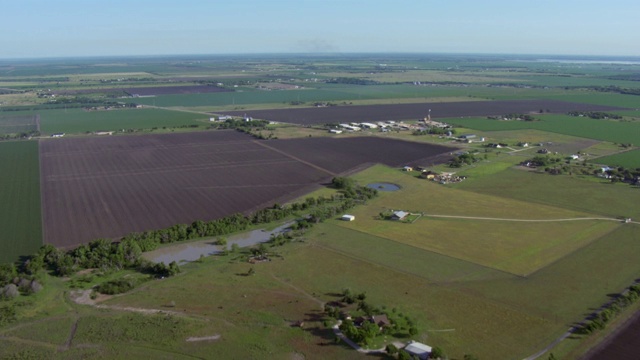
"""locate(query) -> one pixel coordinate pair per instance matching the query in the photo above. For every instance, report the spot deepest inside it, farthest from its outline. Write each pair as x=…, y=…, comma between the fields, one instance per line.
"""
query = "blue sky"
x=59, y=28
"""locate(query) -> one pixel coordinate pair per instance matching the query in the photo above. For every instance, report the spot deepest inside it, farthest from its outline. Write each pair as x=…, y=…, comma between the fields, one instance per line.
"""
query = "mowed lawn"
x=512, y=246
x=74, y=121
x=20, y=218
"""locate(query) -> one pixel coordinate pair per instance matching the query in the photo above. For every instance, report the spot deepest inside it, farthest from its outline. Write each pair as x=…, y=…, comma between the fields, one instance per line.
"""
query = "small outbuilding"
x=420, y=350
x=407, y=168
x=399, y=215
x=347, y=217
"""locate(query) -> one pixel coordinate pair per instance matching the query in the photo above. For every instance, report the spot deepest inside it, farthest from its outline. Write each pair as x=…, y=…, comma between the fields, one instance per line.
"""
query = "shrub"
x=116, y=286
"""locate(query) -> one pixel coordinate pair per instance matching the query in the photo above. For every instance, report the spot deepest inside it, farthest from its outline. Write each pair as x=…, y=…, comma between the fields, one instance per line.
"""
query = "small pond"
x=381, y=186
x=187, y=252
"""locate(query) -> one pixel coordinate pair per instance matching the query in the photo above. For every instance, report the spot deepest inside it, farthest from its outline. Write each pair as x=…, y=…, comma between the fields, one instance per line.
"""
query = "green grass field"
x=74, y=121
x=614, y=131
x=566, y=192
x=627, y=159
x=20, y=218
x=510, y=246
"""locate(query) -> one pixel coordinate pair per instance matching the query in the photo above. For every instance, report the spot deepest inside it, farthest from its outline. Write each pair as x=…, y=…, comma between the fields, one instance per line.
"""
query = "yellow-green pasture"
x=497, y=237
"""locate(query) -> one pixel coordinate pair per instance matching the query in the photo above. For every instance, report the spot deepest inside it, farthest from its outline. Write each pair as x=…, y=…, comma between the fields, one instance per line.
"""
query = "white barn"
x=420, y=350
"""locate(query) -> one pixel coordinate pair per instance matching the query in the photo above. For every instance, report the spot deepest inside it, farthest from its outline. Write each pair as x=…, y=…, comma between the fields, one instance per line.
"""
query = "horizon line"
x=342, y=53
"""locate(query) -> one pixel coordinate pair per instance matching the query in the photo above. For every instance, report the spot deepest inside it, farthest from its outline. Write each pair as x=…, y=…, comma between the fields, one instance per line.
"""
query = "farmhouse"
x=420, y=350
x=347, y=217
x=399, y=215
x=381, y=320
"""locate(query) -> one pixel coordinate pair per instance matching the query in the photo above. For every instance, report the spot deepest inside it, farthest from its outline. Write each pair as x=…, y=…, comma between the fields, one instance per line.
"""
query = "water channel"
x=191, y=251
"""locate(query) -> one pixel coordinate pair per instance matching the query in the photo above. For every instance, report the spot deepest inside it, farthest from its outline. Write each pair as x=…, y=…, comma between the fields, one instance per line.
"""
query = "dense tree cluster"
x=241, y=124
x=13, y=283
x=519, y=117
x=544, y=160
x=20, y=135
x=434, y=130
x=351, y=81
x=621, y=174
x=366, y=331
x=617, y=89
x=463, y=159
x=595, y=114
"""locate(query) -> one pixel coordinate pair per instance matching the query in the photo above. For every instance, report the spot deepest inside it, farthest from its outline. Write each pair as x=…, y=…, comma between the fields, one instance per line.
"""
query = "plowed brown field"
x=108, y=187
x=373, y=113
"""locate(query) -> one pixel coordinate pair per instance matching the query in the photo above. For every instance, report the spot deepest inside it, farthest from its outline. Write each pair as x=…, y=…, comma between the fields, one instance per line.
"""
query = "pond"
x=381, y=186
x=187, y=252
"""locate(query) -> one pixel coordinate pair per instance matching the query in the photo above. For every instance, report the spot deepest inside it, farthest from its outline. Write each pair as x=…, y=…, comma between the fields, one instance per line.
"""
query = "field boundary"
x=530, y=220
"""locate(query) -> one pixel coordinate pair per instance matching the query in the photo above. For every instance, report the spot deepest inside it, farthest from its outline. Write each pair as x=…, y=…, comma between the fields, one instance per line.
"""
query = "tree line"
x=610, y=311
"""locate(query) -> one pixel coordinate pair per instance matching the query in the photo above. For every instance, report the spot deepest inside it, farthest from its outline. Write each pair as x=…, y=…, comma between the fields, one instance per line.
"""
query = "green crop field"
x=600, y=98
x=327, y=92
x=608, y=130
x=80, y=121
x=20, y=218
x=627, y=159
x=339, y=92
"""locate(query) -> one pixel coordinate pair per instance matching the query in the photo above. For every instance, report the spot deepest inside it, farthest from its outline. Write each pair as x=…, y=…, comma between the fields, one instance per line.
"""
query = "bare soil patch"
x=623, y=344
x=108, y=187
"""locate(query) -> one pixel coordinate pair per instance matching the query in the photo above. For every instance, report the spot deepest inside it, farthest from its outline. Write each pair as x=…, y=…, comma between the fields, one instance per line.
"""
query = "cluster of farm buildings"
x=415, y=349
x=442, y=178
x=381, y=126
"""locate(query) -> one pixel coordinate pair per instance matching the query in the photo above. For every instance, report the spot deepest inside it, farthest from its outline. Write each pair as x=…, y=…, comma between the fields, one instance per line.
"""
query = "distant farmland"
x=148, y=90
x=338, y=114
x=173, y=90
x=108, y=187
x=13, y=124
x=80, y=120
x=607, y=130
